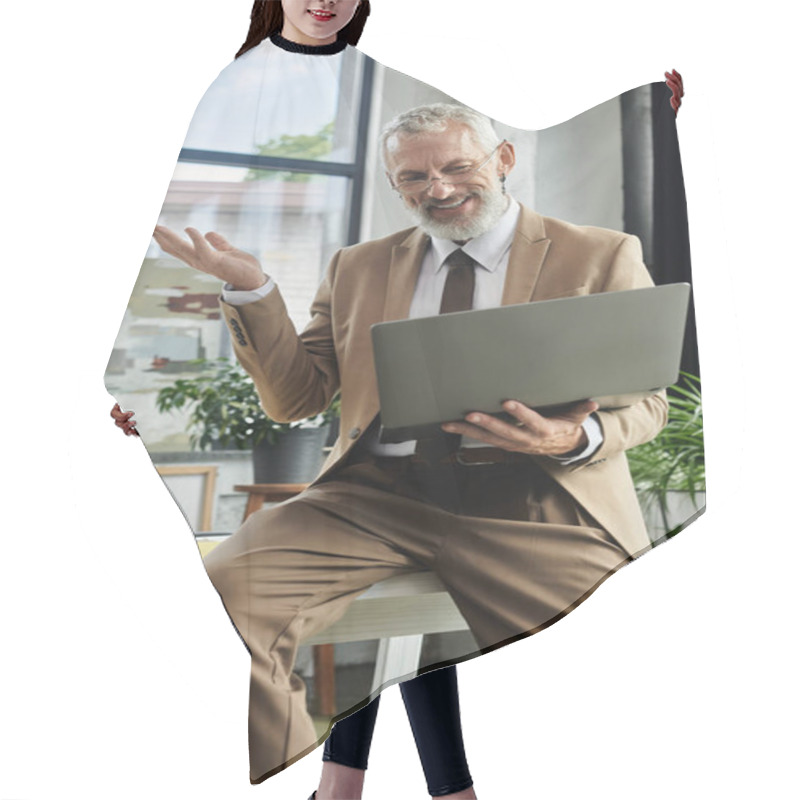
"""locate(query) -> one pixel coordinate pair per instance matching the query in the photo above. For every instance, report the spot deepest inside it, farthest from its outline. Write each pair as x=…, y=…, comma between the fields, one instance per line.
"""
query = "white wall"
x=572, y=170
x=579, y=168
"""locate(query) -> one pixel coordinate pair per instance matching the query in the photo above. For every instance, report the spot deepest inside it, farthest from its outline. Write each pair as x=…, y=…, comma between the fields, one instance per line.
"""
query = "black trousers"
x=431, y=702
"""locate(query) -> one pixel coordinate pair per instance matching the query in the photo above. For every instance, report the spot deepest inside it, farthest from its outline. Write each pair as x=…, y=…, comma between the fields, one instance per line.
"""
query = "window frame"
x=354, y=170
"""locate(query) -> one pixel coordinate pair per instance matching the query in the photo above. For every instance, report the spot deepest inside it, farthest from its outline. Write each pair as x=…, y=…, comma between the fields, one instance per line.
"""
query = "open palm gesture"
x=213, y=254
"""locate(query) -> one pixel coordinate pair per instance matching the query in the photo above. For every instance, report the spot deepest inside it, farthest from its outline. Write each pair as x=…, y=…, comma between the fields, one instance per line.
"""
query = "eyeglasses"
x=453, y=176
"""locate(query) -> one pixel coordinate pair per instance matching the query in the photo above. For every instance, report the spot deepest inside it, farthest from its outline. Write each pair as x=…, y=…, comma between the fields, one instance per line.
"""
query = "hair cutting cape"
x=281, y=158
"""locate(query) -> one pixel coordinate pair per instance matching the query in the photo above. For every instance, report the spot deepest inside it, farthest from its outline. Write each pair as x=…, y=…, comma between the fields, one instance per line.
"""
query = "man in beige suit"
x=520, y=521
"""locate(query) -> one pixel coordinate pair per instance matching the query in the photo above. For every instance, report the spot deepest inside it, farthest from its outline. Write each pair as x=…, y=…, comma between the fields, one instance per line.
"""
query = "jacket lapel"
x=404, y=267
x=528, y=252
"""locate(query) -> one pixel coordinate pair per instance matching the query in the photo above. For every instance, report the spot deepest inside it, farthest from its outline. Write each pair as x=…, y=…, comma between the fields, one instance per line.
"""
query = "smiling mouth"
x=447, y=206
x=323, y=16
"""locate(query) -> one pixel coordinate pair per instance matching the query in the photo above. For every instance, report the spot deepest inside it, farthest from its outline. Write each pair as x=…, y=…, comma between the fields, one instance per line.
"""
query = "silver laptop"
x=614, y=347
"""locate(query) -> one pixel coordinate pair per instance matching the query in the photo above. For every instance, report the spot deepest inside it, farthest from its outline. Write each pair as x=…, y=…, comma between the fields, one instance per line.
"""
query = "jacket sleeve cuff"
x=594, y=435
x=236, y=297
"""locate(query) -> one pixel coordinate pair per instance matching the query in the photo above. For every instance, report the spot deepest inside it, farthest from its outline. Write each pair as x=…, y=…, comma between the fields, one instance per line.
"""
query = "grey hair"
x=435, y=118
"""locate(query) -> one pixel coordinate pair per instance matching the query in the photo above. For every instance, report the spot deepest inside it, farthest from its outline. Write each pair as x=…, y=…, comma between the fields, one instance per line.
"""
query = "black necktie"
x=460, y=284
x=459, y=289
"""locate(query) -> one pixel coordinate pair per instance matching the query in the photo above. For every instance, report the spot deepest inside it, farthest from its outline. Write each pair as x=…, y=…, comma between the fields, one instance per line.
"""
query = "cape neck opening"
x=308, y=49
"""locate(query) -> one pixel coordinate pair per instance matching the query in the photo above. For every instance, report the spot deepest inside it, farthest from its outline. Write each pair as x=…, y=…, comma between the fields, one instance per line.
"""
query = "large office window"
x=280, y=180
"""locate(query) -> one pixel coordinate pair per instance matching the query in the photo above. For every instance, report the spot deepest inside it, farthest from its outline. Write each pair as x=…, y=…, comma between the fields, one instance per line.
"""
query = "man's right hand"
x=213, y=254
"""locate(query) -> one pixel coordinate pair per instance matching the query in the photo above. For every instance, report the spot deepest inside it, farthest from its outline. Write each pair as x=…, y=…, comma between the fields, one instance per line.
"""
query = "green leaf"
x=224, y=407
x=674, y=460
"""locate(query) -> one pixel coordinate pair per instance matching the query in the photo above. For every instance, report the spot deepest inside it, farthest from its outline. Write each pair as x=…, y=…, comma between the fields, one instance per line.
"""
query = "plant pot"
x=680, y=509
x=296, y=456
x=333, y=432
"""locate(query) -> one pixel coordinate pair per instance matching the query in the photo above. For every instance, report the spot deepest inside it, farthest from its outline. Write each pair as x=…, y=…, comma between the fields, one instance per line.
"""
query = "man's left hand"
x=533, y=433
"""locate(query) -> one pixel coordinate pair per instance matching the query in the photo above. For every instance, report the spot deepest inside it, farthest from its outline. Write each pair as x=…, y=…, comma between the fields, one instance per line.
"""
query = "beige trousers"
x=292, y=570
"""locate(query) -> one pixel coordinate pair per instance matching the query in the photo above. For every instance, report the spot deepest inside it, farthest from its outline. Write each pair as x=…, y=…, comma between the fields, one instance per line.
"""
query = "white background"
x=121, y=677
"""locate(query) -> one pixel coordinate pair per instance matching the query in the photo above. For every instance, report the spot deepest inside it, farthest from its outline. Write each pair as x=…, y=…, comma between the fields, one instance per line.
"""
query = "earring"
x=503, y=182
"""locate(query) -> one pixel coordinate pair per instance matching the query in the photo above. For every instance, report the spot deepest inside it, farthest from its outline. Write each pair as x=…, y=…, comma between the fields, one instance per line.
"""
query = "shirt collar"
x=487, y=249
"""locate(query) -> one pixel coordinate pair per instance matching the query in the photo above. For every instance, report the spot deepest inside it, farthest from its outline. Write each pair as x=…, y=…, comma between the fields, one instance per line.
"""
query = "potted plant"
x=225, y=411
x=669, y=471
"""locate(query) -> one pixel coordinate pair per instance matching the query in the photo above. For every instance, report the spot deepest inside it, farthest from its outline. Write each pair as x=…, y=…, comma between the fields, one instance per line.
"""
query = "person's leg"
x=289, y=572
x=434, y=714
x=351, y=737
x=511, y=578
x=431, y=702
x=346, y=754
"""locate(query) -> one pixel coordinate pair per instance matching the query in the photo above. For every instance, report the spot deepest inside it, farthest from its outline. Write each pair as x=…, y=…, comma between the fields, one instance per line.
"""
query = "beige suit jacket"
x=298, y=375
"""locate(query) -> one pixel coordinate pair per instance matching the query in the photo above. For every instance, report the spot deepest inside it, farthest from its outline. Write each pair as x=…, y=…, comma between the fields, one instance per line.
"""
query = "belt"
x=465, y=457
x=475, y=456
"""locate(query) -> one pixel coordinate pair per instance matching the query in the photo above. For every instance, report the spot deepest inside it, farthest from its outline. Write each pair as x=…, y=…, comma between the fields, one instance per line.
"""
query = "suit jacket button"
x=355, y=433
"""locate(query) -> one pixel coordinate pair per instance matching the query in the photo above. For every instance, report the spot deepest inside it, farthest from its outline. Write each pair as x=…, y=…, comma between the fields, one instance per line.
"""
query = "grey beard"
x=493, y=206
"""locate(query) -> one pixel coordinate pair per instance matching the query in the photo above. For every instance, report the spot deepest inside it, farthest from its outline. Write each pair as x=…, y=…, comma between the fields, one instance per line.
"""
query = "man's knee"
x=219, y=564
x=255, y=560
x=229, y=563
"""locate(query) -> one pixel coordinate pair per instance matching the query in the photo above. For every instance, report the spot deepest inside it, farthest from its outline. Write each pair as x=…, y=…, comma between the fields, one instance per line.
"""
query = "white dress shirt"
x=490, y=252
